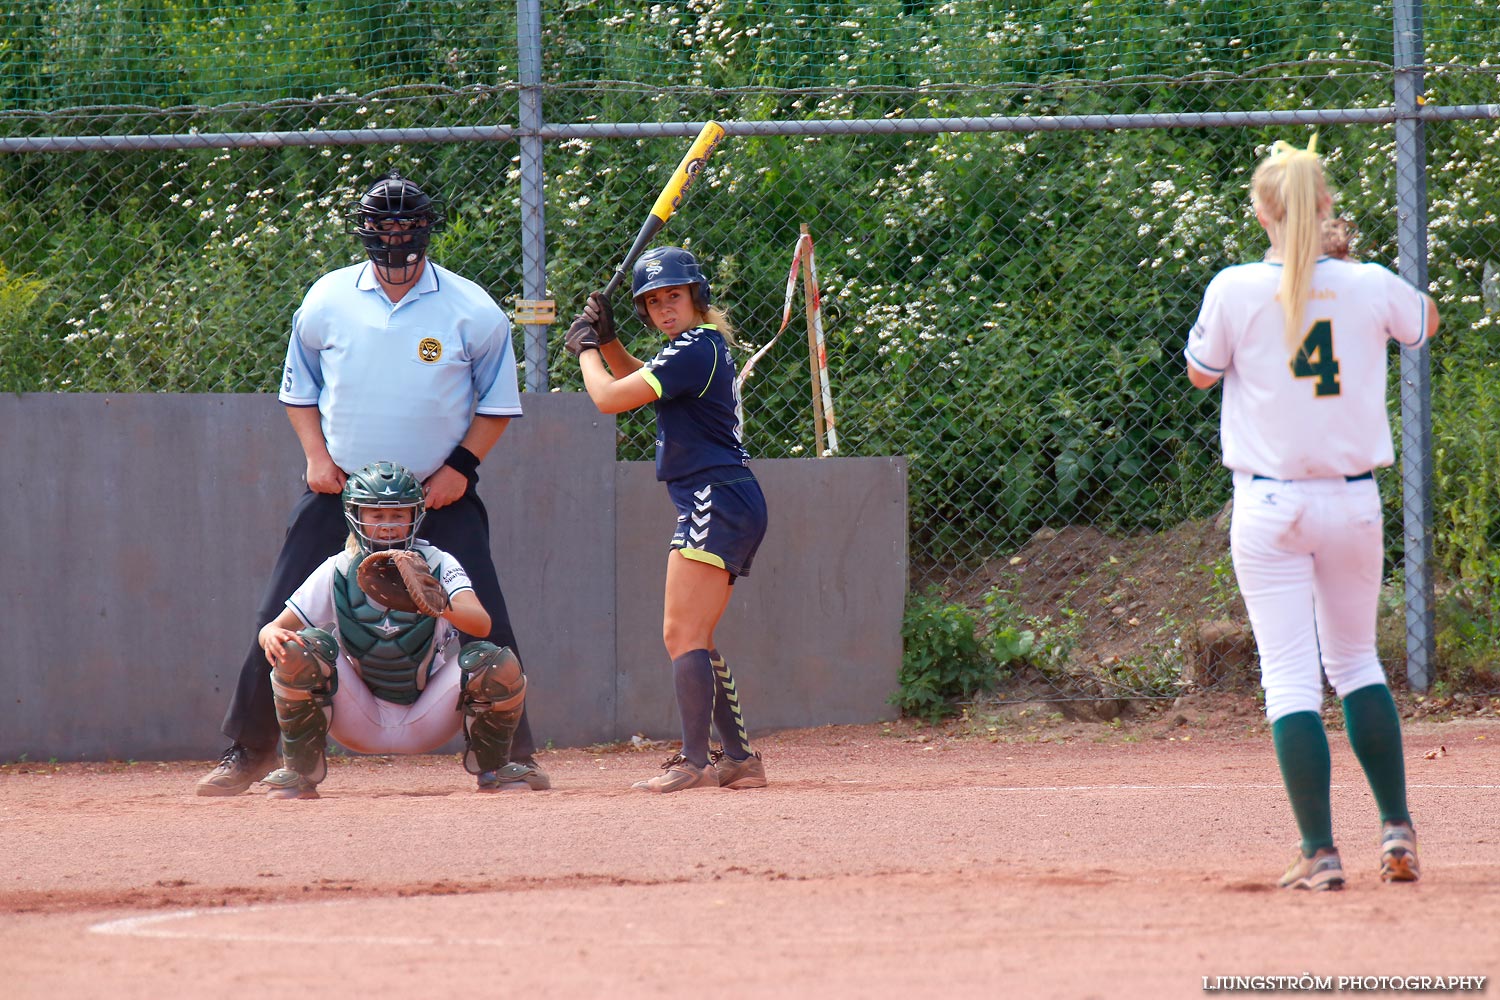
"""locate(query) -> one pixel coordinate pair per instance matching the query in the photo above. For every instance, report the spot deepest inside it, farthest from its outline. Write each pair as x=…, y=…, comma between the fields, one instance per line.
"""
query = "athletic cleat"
x=747, y=773
x=680, y=774
x=1323, y=872
x=517, y=776
x=288, y=784
x=237, y=770
x=1398, y=853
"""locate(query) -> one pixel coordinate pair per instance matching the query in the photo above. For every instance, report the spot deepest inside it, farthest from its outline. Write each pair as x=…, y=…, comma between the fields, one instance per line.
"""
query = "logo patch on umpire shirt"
x=430, y=349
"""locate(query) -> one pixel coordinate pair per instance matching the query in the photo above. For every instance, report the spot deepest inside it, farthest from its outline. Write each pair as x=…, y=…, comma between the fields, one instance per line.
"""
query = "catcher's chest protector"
x=392, y=649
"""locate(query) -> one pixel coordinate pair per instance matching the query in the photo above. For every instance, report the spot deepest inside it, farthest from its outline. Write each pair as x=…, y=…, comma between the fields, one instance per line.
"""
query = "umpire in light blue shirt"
x=396, y=359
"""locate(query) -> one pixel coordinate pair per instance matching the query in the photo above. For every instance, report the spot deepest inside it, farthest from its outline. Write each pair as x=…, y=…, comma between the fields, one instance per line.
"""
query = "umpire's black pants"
x=317, y=530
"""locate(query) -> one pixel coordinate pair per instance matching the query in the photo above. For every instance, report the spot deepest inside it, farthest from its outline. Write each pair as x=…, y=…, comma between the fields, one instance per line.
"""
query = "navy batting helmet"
x=395, y=205
x=667, y=267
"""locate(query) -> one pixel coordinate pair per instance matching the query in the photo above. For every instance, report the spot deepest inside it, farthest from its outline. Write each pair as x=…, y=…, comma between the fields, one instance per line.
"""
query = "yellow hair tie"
x=1283, y=148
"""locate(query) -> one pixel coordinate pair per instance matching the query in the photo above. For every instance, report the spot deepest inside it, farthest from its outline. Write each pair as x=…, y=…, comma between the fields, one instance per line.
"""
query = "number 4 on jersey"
x=1315, y=359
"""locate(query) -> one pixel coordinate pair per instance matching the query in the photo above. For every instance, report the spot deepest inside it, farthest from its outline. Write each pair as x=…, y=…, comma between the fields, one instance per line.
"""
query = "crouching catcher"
x=381, y=679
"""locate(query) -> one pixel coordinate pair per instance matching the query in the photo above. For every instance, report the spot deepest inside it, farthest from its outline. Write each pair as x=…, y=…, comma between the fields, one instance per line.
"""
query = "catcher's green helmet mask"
x=383, y=484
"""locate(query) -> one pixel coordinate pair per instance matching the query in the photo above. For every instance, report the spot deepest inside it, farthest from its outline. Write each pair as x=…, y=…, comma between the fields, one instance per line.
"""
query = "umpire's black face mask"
x=396, y=246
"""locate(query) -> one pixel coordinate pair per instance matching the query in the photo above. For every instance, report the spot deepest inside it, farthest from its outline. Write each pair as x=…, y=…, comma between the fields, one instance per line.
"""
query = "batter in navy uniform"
x=721, y=513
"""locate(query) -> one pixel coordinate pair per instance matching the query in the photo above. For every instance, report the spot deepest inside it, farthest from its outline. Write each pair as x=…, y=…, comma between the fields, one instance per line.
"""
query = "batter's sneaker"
x=747, y=773
x=1398, y=853
x=288, y=784
x=238, y=769
x=679, y=774
x=1323, y=872
x=517, y=776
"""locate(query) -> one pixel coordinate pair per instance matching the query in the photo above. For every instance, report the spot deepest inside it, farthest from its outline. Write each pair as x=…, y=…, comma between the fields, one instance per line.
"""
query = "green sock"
x=1302, y=751
x=1375, y=734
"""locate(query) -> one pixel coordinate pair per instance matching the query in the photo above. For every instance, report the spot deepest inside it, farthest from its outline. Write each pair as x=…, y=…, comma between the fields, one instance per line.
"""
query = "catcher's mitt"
x=1338, y=234
x=401, y=580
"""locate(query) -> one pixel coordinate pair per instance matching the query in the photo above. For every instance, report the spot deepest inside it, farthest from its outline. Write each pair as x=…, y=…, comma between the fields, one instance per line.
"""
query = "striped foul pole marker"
x=825, y=436
x=817, y=350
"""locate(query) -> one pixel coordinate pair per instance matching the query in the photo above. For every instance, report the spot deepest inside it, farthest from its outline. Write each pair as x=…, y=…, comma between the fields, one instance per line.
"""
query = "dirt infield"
x=883, y=861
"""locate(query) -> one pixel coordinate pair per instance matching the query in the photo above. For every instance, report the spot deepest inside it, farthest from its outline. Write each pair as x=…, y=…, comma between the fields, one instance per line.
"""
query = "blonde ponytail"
x=719, y=318
x=1291, y=193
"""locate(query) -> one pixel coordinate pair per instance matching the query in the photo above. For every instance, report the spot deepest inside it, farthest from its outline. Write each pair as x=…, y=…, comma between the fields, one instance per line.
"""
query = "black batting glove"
x=601, y=314
x=582, y=336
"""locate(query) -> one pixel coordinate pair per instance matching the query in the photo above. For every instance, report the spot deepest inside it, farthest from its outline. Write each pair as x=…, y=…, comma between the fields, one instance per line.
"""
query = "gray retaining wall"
x=141, y=529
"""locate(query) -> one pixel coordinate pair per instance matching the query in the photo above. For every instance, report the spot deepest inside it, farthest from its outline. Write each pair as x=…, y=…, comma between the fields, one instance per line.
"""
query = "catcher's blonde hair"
x=1290, y=194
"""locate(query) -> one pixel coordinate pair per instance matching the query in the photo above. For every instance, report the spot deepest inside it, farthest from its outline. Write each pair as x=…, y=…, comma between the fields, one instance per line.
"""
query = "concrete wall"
x=140, y=530
x=813, y=634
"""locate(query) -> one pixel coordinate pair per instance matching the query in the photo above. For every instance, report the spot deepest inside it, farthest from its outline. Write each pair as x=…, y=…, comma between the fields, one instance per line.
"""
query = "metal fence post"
x=533, y=192
x=1416, y=373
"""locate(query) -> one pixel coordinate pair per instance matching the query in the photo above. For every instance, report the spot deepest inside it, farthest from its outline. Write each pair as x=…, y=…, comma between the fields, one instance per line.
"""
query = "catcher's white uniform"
x=1302, y=435
x=368, y=724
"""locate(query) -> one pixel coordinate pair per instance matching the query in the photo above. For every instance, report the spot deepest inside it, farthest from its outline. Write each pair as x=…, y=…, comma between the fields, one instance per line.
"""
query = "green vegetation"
x=953, y=653
x=945, y=661
x=942, y=659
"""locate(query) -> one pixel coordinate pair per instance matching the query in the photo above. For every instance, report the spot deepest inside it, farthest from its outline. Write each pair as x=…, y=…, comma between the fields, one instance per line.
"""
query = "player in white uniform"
x=1300, y=341
x=380, y=680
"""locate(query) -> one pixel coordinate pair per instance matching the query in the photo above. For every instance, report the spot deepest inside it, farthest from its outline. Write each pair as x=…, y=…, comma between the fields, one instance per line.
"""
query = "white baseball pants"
x=1308, y=556
x=366, y=724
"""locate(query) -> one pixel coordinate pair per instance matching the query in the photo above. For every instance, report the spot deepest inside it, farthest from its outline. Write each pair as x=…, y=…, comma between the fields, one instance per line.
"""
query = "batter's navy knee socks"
x=693, y=676
x=728, y=719
x=1302, y=753
x=1374, y=728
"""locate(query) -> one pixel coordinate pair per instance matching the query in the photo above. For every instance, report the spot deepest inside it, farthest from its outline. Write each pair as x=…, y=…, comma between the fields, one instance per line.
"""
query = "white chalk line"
x=149, y=927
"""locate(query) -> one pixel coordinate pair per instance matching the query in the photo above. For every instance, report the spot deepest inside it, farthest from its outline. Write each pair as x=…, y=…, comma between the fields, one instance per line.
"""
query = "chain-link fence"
x=1016, y=208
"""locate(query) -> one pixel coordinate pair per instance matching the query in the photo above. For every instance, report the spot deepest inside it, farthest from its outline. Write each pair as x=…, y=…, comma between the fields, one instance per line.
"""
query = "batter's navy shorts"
x=721, y=517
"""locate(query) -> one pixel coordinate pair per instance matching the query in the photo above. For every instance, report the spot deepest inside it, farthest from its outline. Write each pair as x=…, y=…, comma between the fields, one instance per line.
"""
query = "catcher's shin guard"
x=304, y=685
x=491, y=698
